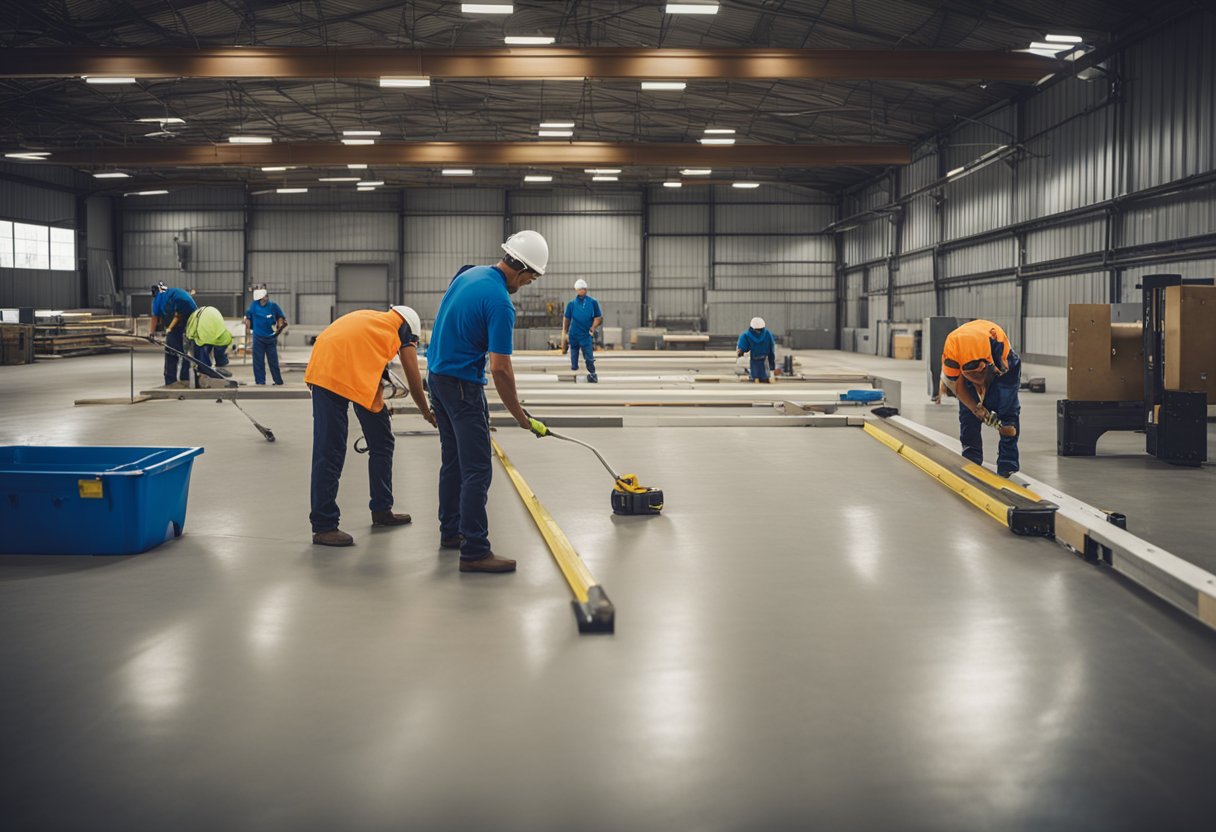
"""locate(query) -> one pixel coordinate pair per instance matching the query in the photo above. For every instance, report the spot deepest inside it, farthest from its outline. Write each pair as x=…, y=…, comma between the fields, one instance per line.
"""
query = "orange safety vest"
x=350, y=355
x=973, y=341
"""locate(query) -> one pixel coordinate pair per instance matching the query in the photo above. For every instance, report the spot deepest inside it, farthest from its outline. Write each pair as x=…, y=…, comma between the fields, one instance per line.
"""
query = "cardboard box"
x=903, y=346
x=1190, y=339
x=1105, y=360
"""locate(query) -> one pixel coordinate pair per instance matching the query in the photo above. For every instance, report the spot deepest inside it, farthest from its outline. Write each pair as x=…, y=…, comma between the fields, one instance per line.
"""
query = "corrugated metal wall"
x=21, y=201
x=102, y=264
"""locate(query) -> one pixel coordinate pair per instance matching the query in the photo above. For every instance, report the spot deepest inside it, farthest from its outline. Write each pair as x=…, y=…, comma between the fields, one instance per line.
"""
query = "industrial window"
x=6, y=244
x=31, y=246
x=63, y=249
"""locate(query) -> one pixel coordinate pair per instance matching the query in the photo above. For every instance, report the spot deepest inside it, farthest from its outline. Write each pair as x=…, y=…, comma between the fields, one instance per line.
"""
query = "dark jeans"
x=203, y=354
x=759, y=369
x=266, y=350
x=329, y=422
x=1002, y=399
x=464, y=473
x=176, y=338
x=585, y=346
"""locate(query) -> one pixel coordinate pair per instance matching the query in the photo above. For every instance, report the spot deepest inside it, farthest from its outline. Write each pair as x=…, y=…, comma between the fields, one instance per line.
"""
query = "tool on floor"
x=628, y=495
x=209, y=372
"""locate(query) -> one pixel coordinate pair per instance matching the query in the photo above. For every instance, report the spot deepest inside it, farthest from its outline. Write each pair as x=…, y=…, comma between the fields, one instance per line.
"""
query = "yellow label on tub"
x=90, y=489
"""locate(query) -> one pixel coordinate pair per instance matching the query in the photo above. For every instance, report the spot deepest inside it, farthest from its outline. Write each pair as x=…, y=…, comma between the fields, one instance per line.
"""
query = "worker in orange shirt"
x=346, y=367
x=980, y=369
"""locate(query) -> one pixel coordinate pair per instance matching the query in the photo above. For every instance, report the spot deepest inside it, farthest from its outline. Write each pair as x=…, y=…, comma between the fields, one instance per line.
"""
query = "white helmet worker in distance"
x=411, y=318
x=258, y=294
x=580, y=285
x=757, y=323
x=758, y=341
x=530, y=249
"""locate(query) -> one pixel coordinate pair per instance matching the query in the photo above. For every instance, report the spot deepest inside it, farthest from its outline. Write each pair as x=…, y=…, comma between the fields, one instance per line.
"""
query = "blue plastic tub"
x=91, y=500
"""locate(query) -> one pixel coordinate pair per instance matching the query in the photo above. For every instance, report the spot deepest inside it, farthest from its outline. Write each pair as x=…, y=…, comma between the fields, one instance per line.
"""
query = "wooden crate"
x=16, y=344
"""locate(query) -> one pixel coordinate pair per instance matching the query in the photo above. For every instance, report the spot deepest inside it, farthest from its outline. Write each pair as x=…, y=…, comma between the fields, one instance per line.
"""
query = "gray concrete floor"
x=812, y=635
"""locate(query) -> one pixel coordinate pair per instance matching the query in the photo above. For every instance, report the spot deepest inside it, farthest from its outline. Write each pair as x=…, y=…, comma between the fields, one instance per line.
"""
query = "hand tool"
x=628, y=495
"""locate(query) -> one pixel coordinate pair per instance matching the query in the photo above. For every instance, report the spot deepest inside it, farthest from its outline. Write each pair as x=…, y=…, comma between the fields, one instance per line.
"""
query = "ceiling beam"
x=543, y=63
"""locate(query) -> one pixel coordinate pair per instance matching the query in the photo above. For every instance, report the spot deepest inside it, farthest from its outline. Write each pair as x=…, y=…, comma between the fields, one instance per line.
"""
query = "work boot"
x=387, y=518
x=453, y=542
x=333, y=537
x=490, y=563
x=592, y=380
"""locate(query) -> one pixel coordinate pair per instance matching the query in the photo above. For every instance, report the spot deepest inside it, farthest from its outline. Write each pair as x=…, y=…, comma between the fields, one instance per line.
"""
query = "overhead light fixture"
x=603, y=179
x=536, y=177
x=107, y=79
x=555, y=134
x=374, y=183
x=457, y=171
x=663, y=85
x=357, y=167
x=146, y=193
x=692, y=8
x=980, y=162
x=745, y=185
x=696, y=171
x=673, y=184
x=365, y=188
x=360, y=132
x=165, y=120
x=338, y=179
x=556, y=125
x=1053, y=48
x=405, y=81
x=719, y=131
x=291, y=190
x=112, y=174
x=487, y=8
x=1044, y=79
x=716, y=141
x=358, y=141
x=250, y=139
x=275, y=169
x=1063, y=39
x=528, y=40
x=603, y=171
x=28, y=155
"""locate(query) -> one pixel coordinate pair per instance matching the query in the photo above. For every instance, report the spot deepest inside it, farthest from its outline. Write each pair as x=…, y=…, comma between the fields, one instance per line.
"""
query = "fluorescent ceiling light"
x=528, y=40
x=357, y=167
x=1040, y=46
x=145, y=193
x=673, y=184
x=745, y=184
x=537, y=178
x=275, y=169
x=250, y=139
x=716, y=141
x=405, y=81
x=555, y=134
x=1044, y=79
x=28, y=155
x=692, y=8
x=358, y=141
x=556, y=125
x=607, y=171
x=457, y=171
x=487, y=8
x=719, y=131
x=107, y=79
x=164, y=120
x=1063, y=39
x=360, y=132
x=1042, y=53
x=365, y=188
x=696, y=171
x=953, y=173
x=338, y=179
x=291, y=190
x=663, y=85
x=603, y=179
x=375, y=183
x=112, y=174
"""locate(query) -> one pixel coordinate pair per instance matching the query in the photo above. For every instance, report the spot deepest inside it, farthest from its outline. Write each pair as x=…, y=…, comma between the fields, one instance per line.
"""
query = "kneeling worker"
x=345, y=368
x=205, y=328
x=758, y=341
x=980, y=368
x=583, y=316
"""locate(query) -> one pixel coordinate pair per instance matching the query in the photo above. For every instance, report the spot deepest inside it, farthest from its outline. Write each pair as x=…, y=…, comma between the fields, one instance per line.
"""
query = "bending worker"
x=583, y=317
x=205, y=328
x=758, y=341
x=345, y=368
x=980, y=368
x=476, y=318
x=172, y=307
x=265, y=320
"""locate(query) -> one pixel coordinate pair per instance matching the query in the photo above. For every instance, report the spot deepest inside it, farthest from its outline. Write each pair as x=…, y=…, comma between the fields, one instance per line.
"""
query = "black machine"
x=1174, y=422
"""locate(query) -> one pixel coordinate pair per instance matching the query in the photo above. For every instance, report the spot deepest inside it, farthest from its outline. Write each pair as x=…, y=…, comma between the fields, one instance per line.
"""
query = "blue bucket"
x=91, y=500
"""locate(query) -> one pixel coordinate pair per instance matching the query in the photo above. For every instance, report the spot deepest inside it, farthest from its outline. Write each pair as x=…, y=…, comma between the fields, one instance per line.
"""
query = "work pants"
x=586, y=346
x=1002, y=399
x=176, y=338
x=266, y=349
x=759, y=369
x=203, y=354
x=462, y=416
x=329, y=426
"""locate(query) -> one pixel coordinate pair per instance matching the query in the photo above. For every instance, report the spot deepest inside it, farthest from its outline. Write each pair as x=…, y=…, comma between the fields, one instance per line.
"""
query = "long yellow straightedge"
x=572, y=566
x=996, y=510
x=998, y=482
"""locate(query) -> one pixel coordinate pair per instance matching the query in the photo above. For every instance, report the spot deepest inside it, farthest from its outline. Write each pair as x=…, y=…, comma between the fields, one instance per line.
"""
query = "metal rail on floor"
x=592, y=609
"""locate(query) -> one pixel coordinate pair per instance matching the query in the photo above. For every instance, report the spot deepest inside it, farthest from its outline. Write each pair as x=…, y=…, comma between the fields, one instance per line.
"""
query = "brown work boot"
x=490, y=563
x=333, y=537
x=387, y=518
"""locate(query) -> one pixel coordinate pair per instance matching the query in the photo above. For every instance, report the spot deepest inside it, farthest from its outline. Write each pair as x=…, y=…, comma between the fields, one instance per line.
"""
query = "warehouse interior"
x=810, y=610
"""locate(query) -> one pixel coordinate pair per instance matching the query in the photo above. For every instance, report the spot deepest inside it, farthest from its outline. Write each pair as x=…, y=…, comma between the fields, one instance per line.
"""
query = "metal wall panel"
x=217, y=256
x=437, y=246
x=99, y=252
x=574, y=202
x=741, y=218
x=1047, y=302
x=913, y=307
x=870, y=240
x=982, y=200
x=853, y=282
x=913, y=270
x=679, y=273
x=42, y=288
x=978, y=259
x=1186, y=268
x=1070, y=160
x=679, y=218
x=999, y=302
x=730, y=312
x=454, y=201
x=1084, y=237
x=1176, y=217
x=877, y=277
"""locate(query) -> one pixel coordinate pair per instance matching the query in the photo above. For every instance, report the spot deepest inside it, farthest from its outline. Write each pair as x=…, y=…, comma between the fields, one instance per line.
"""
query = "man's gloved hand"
x=537, y=427
x=738, y=353
x=992, y=420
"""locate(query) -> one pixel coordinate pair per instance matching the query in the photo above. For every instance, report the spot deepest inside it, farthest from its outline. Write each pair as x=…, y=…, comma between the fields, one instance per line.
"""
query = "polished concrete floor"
x=812, y=635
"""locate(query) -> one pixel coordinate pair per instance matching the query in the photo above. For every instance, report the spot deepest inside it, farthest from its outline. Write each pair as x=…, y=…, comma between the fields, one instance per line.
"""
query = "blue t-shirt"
x=264, y=317
x=581, y=312
x=476, y=316
x=172, y=302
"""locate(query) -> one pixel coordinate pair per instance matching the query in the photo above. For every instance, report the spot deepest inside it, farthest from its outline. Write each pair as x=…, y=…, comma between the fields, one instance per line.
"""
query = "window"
x=63, y=249
x=6, y=244
x=31, y=246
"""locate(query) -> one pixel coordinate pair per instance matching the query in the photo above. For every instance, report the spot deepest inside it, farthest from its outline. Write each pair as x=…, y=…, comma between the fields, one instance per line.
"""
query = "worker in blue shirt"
x=583, y=317
x=758, y=341
x=476, y=318
x=265, y=320
x=172, y=306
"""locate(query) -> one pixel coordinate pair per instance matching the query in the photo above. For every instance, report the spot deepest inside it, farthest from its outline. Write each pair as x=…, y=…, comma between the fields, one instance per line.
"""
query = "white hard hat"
x=529, y=248
x=757, y=323
x=258, y=294
x=411, y=318
x=580, y=284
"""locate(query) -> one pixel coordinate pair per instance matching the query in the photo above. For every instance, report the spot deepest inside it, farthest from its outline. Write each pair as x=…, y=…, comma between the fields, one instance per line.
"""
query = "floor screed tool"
x=628, y=496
